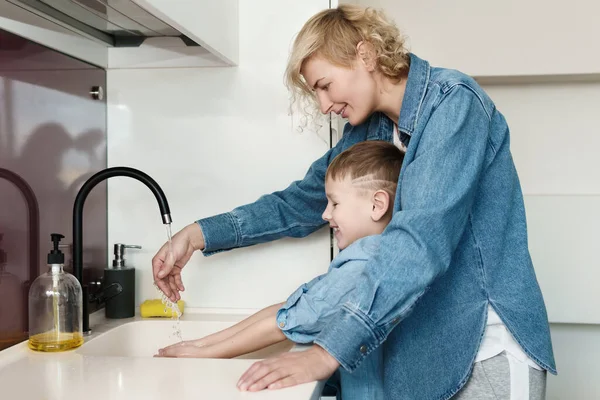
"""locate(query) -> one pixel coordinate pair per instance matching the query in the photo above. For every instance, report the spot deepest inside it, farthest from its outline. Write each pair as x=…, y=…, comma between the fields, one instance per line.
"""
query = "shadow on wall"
x=53, y=136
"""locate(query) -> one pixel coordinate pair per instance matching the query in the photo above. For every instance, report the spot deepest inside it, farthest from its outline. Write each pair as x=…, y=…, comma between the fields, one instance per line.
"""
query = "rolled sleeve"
x=288, y=323
x=221, y=232
x=298, y=318
x=349, y=338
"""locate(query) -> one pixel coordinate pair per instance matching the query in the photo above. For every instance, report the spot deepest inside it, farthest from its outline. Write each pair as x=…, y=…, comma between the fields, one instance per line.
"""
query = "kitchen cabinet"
x=510, y=41
x=131, y=33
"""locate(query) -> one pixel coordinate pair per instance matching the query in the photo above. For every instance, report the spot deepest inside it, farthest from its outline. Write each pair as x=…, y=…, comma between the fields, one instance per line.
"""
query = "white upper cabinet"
x=130, y=33
x=510, y=38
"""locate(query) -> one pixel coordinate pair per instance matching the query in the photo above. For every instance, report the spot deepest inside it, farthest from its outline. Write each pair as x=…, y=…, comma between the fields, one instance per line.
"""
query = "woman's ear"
x=365, y=53
x=381, y=203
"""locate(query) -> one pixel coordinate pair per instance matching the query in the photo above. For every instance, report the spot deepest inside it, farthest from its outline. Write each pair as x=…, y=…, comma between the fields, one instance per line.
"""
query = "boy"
x=360, y=184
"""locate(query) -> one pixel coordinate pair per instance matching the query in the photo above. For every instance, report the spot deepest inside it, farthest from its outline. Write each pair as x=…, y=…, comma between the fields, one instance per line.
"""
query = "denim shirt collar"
x=361, y=249
x=381, y=127
x=416, y=85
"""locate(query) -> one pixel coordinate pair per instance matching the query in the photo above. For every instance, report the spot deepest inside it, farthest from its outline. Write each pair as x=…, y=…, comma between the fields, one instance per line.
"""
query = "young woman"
x=452, y=295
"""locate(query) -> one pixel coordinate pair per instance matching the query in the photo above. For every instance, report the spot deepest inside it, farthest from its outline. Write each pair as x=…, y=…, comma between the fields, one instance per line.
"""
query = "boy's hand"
x=182, y=350
x=289, y=369
x=196, y=342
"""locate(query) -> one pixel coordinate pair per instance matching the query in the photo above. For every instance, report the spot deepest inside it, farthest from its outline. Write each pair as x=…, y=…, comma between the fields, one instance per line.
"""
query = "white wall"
x=215, y=138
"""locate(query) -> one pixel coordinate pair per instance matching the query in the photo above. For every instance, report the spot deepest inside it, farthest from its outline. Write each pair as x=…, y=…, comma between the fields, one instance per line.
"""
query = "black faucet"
x=34, y=230
x=78, y=220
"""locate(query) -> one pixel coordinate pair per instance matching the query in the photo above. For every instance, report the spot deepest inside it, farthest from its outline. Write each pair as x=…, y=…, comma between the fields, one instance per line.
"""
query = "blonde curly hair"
x=334, y=34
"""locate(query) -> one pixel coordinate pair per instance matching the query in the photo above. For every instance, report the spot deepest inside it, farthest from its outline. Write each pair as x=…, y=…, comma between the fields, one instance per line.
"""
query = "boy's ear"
x=381, y=203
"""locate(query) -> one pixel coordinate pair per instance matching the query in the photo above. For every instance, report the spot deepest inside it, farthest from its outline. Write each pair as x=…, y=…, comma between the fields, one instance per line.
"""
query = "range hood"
x=118, y=23
x=130, y=33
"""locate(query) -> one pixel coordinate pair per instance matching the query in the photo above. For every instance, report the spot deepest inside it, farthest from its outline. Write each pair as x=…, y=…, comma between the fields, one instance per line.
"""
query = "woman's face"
x=349, y=92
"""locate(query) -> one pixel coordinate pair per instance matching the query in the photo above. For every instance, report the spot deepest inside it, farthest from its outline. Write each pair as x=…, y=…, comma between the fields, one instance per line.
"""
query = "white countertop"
x=76, y=374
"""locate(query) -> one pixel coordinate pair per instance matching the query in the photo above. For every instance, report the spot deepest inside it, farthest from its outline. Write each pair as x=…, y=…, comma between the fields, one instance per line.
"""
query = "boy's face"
x=349, y=211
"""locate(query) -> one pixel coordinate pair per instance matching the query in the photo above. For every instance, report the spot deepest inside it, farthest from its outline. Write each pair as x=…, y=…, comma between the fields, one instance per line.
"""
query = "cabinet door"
x=503, y=38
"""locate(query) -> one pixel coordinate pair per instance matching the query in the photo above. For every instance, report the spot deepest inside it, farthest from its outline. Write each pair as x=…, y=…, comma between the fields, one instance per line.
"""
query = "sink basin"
x=144, y=338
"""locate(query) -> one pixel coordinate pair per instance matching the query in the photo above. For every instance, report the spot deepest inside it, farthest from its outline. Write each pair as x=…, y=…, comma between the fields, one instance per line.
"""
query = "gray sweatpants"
x=491, y=380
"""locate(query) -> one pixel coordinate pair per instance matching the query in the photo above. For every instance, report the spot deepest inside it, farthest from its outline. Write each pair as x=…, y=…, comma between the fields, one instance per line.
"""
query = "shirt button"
x=395, y=320
x=363, y=349
x=281, y=324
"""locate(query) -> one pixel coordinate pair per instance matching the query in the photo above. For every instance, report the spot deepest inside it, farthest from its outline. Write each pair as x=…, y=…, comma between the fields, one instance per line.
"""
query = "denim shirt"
x=312, y=306
x=457, y=241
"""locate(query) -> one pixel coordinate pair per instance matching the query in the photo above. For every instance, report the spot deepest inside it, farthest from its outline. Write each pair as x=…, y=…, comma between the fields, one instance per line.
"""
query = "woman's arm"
x=293, y=212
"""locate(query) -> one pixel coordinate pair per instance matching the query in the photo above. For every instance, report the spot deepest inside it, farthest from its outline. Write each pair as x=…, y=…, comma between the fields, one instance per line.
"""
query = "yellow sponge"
x=155, y=308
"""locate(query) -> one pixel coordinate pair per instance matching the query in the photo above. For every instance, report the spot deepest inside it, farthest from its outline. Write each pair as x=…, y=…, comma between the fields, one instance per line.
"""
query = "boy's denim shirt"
x=456, y=243
x=314, y=304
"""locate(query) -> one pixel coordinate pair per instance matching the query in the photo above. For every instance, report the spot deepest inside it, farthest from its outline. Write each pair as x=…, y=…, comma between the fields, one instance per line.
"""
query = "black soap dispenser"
x=122, y=277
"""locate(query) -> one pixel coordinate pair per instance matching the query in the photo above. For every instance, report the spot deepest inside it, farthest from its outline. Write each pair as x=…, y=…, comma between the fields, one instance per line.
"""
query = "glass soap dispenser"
x=55, y=306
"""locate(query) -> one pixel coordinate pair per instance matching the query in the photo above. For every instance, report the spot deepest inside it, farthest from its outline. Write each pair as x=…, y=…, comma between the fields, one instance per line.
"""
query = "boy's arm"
x=214, y=338
x=262, y=333
x=258, y=335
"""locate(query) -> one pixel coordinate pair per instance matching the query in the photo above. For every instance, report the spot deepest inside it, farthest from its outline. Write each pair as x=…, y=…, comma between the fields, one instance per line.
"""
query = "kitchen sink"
x=143, y=338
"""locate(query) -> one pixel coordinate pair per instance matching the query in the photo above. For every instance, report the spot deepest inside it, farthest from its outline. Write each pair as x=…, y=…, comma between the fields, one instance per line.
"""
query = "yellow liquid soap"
x=49, y=341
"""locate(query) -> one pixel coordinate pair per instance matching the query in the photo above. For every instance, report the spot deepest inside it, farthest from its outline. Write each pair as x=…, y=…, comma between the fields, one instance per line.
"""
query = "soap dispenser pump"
x=55, y=306
x=122, y=277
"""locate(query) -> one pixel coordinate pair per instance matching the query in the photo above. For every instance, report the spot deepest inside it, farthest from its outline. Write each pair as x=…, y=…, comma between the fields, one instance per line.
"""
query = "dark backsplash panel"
x=52, y=137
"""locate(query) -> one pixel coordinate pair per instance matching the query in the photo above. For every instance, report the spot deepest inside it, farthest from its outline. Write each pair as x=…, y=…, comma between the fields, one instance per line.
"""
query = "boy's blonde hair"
x=372, y=165
x=334, y=35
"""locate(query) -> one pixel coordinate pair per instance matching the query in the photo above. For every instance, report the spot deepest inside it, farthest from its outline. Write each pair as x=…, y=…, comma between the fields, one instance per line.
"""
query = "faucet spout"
x=78, y=220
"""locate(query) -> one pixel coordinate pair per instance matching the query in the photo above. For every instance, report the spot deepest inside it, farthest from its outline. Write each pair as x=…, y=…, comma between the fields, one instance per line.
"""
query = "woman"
x=452, y=297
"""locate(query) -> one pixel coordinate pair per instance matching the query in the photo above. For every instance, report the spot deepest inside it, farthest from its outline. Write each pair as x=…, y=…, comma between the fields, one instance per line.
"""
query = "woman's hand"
x=167, y=266
x=289, y=369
